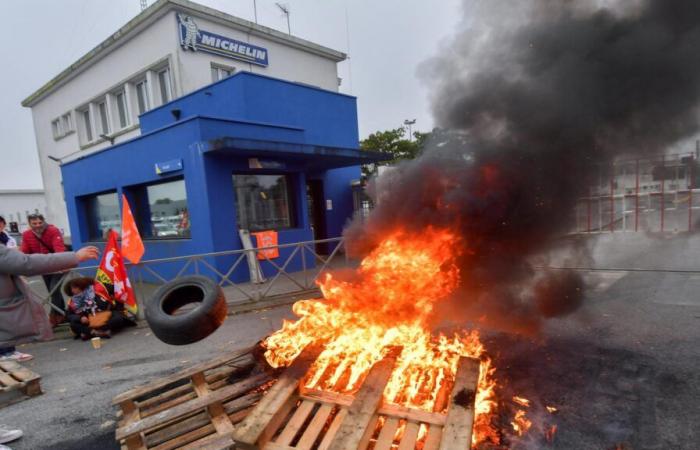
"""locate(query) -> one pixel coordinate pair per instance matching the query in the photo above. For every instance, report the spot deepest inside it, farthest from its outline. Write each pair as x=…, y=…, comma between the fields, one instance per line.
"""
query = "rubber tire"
x=194, y=325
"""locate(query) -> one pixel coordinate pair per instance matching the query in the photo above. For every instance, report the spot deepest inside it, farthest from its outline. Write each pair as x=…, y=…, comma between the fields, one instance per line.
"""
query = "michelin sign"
x=191, y=37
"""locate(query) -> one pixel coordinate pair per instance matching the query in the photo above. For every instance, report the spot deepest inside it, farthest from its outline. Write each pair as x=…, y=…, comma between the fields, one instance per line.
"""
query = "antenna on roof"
x=285, y=10
x=144, y=4
x=255, y=10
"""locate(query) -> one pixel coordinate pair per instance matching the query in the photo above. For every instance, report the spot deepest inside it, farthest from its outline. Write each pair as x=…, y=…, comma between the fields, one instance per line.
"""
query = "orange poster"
x=267, y=239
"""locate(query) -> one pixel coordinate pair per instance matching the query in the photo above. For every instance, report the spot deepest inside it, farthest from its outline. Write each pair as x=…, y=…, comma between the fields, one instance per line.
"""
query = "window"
x=263, y=202
x=57, y=129
x=87, y=125
x=163, y=212
x=122, y=109
x=67, y=122
x=164, y=82
x=142, y=98
x=220, y=72
x=104, y=118
x=102, y=213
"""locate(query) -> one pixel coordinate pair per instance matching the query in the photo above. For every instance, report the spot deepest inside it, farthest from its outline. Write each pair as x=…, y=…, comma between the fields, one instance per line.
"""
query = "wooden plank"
x=216, y=410
x=276, y=446
x=315, y=427
x=213, y=442
x=365, y=405
x=369, y=432
x=386, y=436
x=333, y=429
x=411, y=414
x=457, y=432
x=257, y=428
x=199, y=425
x=186, y=373
x=7, y=380
x=410, y=435
x=191, y=406
x=326, y=397
x=216, y=378
x=295, y=423
x=135, y=442
x=432, y=442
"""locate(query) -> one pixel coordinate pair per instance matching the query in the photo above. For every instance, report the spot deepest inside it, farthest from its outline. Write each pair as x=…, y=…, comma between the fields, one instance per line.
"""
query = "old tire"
x=190, y=325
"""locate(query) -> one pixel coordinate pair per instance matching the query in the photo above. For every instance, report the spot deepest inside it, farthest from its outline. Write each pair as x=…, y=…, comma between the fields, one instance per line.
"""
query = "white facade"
x=16, y=204
x=141, y=66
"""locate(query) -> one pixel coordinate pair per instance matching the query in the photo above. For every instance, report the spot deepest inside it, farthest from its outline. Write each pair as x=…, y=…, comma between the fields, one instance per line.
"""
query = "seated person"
x=91, y=310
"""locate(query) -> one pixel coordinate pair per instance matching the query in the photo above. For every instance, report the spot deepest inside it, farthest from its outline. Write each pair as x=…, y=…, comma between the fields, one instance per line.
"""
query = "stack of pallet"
x=17, y=383
x=208, y=412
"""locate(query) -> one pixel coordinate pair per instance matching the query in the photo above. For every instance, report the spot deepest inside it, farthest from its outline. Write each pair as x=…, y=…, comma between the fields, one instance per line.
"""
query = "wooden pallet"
x=290, y=418
x=17, y=383
x=199, y=408
x=195, y=408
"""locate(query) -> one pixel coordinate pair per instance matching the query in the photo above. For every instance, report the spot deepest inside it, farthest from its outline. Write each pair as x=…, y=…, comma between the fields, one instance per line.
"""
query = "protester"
x=5, y=239
x=92, y=312
x=43, y=238
x=18, y=320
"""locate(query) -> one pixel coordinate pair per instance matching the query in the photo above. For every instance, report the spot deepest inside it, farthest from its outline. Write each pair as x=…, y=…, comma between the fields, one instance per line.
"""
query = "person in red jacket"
x=43, y=238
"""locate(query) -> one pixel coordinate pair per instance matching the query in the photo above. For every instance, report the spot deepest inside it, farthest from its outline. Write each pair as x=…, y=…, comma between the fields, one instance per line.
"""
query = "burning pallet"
x=201, y=408
x=17, y=383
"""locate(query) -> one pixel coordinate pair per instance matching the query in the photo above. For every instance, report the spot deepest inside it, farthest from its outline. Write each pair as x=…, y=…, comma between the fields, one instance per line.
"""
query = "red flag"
x=112, y=274
x=132, y=245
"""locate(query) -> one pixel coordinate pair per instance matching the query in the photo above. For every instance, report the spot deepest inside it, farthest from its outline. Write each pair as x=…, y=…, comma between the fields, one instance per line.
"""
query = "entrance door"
x=317, y=215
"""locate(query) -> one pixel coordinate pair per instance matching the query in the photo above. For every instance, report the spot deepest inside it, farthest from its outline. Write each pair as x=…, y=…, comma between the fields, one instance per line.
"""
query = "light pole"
x=409, y=124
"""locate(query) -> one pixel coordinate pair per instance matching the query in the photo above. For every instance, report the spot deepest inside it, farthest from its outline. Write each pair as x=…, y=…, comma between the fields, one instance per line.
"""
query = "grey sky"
x=388, y=39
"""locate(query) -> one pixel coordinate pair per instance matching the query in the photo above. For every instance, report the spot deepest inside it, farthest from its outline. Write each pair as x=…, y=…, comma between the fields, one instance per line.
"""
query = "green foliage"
x=394, y=143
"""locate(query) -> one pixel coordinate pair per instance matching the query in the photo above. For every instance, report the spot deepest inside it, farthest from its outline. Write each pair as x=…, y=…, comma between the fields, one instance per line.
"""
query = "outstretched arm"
x=13, y=262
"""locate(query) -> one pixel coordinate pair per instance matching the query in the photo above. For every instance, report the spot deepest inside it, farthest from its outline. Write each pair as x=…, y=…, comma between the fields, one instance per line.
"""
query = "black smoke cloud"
x=532, y=95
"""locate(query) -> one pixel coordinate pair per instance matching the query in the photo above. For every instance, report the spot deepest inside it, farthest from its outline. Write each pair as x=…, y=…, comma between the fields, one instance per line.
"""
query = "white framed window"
x=143, y=100
x=220, y=72
x=86, y=120
x=67, y=122
x=122, y=109
x=57, y=128
x=104, y=117
x=164, y=85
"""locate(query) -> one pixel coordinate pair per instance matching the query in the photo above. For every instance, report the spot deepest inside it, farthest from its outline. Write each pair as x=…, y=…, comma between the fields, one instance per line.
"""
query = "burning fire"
x=387, y=302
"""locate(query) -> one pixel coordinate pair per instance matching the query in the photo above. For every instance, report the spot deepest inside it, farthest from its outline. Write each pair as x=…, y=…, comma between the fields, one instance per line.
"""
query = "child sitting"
x=91, y=313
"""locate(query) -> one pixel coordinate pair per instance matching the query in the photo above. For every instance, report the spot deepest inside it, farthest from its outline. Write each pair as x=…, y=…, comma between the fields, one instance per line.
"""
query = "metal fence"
x=651, y=195
x=293, y=273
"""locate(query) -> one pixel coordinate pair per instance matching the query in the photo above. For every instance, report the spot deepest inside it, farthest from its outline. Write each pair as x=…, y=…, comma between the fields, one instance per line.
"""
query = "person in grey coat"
x=17, y=322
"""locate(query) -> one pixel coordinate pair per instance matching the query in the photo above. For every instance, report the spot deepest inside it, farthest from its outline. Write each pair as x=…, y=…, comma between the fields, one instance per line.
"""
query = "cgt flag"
x=132, y=245
x=112, y=274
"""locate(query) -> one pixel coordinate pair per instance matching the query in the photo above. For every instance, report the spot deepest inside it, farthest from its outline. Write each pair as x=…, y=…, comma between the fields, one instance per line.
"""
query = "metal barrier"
x=145, y=277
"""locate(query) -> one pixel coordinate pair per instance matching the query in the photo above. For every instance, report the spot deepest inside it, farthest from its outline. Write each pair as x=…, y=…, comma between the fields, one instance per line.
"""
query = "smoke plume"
x=530, y=96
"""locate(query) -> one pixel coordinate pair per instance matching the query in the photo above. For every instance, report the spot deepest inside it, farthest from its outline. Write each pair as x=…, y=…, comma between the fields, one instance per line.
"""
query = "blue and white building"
x=114, y=93
x=247, y=152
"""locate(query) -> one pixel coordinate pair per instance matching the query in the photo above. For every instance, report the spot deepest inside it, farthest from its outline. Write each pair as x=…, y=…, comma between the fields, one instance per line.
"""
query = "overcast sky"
x=387, y=41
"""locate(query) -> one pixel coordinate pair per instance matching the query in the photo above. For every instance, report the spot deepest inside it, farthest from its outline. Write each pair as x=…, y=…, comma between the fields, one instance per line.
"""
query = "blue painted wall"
x=327, y=118
x=245, y=106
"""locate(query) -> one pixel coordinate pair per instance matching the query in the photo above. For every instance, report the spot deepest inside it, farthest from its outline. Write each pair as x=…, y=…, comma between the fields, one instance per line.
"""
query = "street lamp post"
x=409, y=124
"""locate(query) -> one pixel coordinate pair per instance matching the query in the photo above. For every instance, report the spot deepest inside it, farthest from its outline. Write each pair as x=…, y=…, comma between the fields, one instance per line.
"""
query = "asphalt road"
x=624, y=370
x=75, y=411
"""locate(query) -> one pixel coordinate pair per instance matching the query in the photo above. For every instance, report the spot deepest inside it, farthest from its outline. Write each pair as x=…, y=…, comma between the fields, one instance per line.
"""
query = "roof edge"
x=154, y=12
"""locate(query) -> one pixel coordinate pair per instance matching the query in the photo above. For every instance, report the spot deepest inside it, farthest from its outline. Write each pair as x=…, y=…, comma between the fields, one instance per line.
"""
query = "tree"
x=394, y=143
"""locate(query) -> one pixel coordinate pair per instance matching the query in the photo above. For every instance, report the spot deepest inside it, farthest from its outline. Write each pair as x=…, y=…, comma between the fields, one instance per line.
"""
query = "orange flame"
x=520, y=423
x=389, y=301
